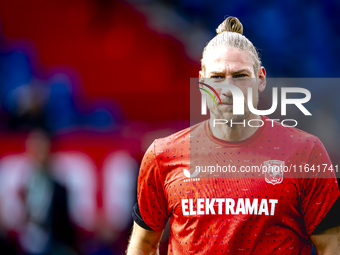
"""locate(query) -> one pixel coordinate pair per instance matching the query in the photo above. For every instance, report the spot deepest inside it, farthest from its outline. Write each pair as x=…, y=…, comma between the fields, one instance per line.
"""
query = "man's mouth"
x=227, y=105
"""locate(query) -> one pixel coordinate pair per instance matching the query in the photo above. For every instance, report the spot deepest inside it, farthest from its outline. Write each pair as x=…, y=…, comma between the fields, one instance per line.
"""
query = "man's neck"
x=234, y=132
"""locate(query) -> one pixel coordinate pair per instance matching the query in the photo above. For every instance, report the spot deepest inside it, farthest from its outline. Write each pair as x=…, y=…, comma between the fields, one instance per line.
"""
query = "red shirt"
x=223, y=212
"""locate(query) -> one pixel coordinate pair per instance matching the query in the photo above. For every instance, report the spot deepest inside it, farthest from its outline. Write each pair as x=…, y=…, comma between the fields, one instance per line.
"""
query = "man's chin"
x=233, y=118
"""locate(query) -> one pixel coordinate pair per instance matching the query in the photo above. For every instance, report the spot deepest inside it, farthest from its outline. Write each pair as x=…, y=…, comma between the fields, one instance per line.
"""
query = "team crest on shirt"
x=274, y=173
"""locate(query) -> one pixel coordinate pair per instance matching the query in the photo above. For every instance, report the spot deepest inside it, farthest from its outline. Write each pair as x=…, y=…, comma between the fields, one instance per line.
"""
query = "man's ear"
x=201, y=75
x=262, y=78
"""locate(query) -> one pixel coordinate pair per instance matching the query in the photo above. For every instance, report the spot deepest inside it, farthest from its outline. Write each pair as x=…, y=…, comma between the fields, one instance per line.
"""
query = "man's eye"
x=241, y=75
x=217, y=77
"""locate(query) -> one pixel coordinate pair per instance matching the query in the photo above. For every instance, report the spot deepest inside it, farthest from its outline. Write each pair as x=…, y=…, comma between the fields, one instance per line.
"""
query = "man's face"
x=38, y=146
x=235, y=67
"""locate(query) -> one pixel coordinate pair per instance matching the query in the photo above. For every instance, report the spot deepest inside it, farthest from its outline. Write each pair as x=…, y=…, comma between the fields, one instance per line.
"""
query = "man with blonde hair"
x=232, y=213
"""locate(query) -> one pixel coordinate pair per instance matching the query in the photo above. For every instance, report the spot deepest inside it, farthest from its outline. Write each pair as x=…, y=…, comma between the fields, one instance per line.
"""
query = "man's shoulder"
x=289, y=134
x=171, y=149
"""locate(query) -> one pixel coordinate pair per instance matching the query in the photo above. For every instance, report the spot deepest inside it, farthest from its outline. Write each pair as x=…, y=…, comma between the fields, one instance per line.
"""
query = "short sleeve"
x=320, y=190
x=150, y=193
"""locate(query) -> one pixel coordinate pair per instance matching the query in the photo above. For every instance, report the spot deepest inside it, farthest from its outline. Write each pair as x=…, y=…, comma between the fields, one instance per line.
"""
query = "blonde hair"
x=229, y=34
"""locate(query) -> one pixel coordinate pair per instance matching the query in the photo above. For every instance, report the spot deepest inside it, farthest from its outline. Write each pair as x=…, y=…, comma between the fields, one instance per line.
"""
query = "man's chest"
x=248, y=183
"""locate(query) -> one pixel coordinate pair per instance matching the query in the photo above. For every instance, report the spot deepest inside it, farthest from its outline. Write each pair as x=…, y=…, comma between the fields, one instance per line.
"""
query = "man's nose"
x=226, y=89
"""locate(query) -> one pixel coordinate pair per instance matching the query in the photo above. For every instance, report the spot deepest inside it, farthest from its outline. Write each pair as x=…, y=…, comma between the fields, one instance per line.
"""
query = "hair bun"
x=230, y=24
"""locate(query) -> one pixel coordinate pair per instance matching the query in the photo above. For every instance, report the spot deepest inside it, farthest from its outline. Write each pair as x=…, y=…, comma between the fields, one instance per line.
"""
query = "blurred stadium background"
x=105, y=78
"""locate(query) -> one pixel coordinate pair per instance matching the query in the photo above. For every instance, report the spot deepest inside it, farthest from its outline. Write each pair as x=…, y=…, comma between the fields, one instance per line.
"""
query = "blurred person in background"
x=48, y=229
x=43, y=225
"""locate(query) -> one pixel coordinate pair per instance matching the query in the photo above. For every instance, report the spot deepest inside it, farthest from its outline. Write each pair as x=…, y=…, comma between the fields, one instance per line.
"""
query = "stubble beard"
x=231, y=118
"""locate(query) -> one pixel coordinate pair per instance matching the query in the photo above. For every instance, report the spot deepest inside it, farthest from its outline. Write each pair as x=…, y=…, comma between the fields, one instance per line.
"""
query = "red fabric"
x=286, y=212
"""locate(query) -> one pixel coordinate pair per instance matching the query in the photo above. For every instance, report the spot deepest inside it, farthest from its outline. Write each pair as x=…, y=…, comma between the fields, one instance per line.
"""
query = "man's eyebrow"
x=235, y=72
x=240, y=71
x=216, y=72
